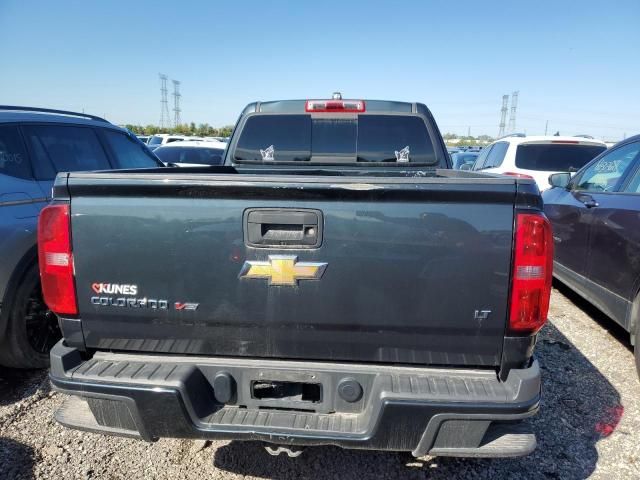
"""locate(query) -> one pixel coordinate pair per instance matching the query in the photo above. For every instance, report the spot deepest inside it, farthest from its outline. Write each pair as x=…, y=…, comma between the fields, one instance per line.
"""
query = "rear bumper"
x=423, y=410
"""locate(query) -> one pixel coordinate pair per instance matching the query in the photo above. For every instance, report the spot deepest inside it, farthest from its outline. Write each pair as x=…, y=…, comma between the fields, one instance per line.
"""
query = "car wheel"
x=32, y=329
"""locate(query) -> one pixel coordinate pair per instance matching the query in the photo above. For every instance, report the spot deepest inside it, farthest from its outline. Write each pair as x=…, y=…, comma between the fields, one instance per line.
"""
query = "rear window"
x=65, y=149
x=362, y=138
x=556, y=157
x=204, y=156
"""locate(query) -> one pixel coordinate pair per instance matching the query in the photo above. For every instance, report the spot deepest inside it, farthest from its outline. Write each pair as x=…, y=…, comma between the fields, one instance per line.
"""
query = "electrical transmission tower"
x=164, y=104
x=176, y=102
x=512, y=115
x=503, y=114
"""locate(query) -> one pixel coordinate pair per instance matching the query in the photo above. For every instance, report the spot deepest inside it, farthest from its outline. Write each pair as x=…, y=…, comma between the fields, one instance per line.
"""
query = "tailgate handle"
x=290, y=228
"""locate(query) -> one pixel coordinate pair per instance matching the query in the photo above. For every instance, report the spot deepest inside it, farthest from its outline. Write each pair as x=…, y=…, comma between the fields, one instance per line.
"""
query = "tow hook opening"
x=290, y=391
x=292, y=452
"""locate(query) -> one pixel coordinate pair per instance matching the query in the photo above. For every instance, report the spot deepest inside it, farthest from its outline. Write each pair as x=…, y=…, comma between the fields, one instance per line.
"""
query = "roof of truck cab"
x=298, y=106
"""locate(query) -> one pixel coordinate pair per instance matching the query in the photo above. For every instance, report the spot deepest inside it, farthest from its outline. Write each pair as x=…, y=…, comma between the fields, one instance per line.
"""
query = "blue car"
x=463, y=158
x=36, y=144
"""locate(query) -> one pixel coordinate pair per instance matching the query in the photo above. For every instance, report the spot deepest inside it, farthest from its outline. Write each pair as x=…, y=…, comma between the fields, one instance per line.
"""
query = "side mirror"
x=560, y=180
x=466, y=166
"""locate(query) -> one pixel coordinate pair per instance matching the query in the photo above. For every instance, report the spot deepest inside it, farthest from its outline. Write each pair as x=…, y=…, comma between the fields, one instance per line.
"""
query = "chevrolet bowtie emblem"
x=283, y=270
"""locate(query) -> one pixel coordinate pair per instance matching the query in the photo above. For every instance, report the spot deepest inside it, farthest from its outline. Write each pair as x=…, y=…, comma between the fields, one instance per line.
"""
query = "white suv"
x=538, y=157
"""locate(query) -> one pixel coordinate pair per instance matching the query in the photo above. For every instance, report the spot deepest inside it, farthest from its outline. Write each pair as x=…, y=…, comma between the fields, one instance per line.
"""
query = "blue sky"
x=574, y=63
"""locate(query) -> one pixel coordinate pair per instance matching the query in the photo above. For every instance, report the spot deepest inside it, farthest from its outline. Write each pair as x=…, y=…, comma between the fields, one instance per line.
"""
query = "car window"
x=62, y=148
x=634, y=183
x=128, y=153
x=556, y=157
x=605, y=174
x=174, y=139
x=168, y=154
x=155, y=140
x=480, y=161
x=362, y=138
x=382, y=138
x=13, y=156
x=334, y=137
x=496, y=155
x=270, y=137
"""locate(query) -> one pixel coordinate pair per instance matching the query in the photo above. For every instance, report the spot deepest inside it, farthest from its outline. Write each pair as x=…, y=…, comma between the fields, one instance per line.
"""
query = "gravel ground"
x=589, y=426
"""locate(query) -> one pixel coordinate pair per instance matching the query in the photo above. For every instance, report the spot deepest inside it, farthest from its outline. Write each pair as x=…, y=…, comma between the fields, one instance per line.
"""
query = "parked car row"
x=162, y=139
x=193, y=153
x=186, y=151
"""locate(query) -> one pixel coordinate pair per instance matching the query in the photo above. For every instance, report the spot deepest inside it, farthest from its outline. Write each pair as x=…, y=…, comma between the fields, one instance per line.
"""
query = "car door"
x=20, y=202
x=567, y=215
x=613, y=256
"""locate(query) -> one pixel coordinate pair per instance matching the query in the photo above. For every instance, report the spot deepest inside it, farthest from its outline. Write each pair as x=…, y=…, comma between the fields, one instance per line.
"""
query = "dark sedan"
x=596, y=232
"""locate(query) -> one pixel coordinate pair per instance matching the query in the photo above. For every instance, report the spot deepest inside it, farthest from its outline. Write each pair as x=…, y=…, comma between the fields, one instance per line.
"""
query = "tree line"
x=467, y=140
x=200, y=130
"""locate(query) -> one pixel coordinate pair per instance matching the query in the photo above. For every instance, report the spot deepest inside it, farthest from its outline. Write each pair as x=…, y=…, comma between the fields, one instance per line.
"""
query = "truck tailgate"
x=411, y=270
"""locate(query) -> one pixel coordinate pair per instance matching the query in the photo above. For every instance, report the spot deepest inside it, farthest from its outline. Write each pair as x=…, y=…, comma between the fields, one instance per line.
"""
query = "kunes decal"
x=102, y=300
x=114, y=288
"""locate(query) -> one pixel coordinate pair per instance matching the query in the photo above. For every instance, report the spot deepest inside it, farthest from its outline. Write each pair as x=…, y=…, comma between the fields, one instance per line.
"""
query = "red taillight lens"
x=517, y=175
x=56, y=260
x=323, y=106
x=532, y=270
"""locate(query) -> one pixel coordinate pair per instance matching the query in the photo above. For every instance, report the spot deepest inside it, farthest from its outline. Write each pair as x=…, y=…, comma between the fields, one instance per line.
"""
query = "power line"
x=164, y=104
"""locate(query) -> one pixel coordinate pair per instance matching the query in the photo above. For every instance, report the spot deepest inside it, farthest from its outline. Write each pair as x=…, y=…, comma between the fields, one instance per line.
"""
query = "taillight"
x=532, y=270
x=323, y=106
x=56, y=260
x=517, y=175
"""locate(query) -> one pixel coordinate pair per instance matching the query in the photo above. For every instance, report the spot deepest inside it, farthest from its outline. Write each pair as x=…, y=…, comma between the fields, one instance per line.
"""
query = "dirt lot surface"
x=588, y=427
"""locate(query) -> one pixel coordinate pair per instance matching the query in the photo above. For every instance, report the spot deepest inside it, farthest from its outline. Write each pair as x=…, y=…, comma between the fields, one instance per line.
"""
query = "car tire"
x=32, y=329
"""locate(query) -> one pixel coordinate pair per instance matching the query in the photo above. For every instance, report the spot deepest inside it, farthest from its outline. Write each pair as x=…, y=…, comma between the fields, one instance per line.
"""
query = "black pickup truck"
x=334, y=282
